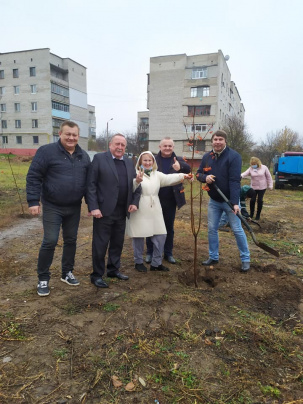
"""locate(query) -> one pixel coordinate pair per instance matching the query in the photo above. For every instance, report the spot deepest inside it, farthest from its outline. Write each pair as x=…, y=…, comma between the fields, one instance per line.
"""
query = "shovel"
x=261, y=245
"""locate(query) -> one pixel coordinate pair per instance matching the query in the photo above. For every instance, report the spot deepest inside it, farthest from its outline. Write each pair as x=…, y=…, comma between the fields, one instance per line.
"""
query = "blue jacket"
x=227, y=170
x=56, y=177
x=178, y=190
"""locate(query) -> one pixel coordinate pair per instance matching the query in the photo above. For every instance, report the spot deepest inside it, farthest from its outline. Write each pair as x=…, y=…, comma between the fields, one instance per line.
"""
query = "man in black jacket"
x=170, y=197
x=57, y=176
x=110, y=199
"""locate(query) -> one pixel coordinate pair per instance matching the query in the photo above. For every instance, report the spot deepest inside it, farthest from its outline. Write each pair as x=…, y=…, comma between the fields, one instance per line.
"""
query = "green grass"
x=12, y=185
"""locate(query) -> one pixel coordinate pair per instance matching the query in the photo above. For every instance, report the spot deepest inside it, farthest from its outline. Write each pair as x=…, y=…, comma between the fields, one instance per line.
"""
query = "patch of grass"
x=9, y=201
x=270, y=391
x=60, y=353
x=11, y=330
x=111, y=307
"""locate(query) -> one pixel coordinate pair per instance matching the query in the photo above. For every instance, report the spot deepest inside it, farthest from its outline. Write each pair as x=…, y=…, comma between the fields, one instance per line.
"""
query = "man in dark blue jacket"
x=223, y=166
x=57, y=176
x=170, y=197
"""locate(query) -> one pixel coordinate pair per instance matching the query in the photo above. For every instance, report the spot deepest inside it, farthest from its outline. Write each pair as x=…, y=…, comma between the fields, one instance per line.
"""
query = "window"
x=17, y=90
x=35, y=139
x=57, y=122
x=4, y=139
x=18, y=124
x=34, y=106
x=1, y=74
x=32, y=71
x=33, y=88
x=2, y=90
x=199, y=91
x=60, y=107
x=4, y=124
x=15, y=73
x=19, y=139
x=203, y=110
x=59, y=90
x=199, y=73
x=2, y=107
x=17, y=107
x=34, y=123
x=197, y=128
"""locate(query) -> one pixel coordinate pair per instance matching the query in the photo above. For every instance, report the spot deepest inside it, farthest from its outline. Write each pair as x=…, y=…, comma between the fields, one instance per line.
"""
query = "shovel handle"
x=232, y=207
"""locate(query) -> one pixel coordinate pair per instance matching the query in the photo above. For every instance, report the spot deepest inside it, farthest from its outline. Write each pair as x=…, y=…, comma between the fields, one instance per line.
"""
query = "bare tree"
x=267, y=149
x=238, y=138
x=288, y=140
x=276, y=143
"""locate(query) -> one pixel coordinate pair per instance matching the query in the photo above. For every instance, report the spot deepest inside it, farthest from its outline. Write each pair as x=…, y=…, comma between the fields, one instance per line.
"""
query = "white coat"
x=148, y=220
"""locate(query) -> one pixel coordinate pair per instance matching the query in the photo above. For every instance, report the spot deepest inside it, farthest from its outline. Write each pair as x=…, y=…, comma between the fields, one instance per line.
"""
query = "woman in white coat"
x=148, y=220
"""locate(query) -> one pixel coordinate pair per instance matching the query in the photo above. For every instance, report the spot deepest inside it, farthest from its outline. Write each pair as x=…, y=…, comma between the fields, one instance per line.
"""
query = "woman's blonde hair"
x=254, y=161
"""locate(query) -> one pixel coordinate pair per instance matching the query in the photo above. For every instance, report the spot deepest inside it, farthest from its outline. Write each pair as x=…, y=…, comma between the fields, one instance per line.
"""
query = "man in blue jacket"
x=57, y=176
x=223, y=166
x=170, y=197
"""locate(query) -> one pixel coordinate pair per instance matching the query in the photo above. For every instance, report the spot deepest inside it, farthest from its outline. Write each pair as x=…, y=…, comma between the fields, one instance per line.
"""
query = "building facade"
x=38, y=91
x=187, y=95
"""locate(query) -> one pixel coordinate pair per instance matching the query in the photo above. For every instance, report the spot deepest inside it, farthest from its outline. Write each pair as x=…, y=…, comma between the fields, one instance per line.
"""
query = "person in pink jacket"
x=260, y=180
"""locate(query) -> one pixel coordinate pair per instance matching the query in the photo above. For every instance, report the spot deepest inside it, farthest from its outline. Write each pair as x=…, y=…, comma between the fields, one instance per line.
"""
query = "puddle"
x=20, y=228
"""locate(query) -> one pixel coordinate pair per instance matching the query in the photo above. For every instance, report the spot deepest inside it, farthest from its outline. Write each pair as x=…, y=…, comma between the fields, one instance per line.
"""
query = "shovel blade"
x=268, y=249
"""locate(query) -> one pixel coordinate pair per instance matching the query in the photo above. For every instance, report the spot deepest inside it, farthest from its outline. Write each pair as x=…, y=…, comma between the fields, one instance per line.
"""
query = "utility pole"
x=107, y=133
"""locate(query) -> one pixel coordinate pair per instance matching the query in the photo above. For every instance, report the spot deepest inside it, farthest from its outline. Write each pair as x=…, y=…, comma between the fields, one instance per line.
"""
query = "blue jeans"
x=215, y=210
x=53, y=218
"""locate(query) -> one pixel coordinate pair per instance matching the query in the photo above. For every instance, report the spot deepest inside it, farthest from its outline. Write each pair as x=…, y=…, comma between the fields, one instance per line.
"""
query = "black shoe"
x=210, y=261
x=159, y=268
x=245, y=267
x=170, y=259
x=99, y=282
x=148, y=258
x=118, y=275
x=141, y=267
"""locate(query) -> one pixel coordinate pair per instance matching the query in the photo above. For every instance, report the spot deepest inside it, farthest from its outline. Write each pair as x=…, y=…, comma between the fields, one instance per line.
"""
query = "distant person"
x=260, y=180
x=110, y=199
x=148, y=220
x=57, y=176
x=171, y=197
x=222, y=166
x=246, y=192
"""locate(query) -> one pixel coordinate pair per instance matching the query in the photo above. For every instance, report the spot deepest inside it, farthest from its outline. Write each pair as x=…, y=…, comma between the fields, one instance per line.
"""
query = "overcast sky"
x=115, y=40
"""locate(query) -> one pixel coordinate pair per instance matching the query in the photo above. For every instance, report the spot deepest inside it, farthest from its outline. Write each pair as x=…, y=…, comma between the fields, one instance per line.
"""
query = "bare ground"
x=237, y=338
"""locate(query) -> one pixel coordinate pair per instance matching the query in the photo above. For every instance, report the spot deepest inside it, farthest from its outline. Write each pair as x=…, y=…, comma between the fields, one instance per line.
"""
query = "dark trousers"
x=108, y=233
x=169, y=214
x=53, y=218
x=259, y=194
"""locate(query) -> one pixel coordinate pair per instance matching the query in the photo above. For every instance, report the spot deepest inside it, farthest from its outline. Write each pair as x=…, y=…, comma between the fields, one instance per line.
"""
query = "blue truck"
x=288, y=169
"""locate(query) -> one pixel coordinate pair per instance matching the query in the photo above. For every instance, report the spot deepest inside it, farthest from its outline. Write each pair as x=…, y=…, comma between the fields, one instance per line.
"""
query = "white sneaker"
x=70, y=279
x=42, y=288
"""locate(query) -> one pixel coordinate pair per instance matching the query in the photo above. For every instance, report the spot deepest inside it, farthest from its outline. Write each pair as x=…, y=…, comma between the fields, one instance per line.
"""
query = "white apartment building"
x=38, y=91
x=188, y=94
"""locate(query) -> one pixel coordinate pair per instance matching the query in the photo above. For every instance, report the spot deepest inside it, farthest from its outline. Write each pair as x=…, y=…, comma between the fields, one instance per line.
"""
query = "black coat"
x=56, y=177
x=103, y=184
x=178, y=190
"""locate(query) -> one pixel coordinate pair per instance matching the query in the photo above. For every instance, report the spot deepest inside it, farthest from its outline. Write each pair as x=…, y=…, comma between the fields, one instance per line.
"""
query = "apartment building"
x=188, y=94
x=38, y=91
